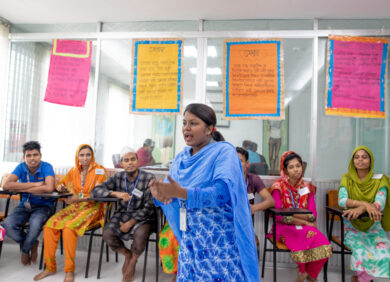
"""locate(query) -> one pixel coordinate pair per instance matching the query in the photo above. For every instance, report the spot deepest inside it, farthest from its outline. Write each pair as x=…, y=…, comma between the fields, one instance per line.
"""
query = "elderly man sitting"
x=136, y=214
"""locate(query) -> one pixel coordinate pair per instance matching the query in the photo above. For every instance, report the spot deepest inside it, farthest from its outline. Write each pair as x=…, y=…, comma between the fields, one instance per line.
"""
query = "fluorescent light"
x=190, y=51
x=212, y=83
x=212, y=51
x=214, y=71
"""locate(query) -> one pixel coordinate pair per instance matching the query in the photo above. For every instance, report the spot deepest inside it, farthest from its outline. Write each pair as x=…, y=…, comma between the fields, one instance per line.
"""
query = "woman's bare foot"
x=354, y=278
x=69, y=277
x=301, y=277
x=311, y=279
x=43, y=274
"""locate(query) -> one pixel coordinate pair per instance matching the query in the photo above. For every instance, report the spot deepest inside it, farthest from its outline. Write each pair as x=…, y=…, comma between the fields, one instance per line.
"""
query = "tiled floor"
x=12, y=270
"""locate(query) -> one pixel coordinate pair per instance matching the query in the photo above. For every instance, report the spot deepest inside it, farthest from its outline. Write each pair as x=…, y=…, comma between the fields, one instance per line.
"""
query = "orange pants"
x=50, y=239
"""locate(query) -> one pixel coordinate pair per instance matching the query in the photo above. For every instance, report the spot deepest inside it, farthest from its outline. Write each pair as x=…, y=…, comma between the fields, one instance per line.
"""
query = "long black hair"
x=290, y=157
x=206, y=114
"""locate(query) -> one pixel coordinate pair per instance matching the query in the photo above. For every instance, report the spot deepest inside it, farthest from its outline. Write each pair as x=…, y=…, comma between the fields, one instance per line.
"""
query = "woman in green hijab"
x=362, y=191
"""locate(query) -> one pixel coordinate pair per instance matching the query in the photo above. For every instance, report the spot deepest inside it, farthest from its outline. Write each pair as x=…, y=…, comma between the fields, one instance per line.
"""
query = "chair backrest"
x=258, y=168
x=332, y=200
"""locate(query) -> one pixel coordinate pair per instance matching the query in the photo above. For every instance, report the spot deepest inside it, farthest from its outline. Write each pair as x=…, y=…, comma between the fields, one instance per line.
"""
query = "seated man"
x=145, y=153
x=254, y=185
x=29, y=177
x=136, y=212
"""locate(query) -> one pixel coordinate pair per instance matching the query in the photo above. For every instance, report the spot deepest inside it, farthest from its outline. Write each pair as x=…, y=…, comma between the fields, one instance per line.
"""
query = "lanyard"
x=28, y=180
x=135, y=183
x=83, y=181
x=292, y=199
x=134, y=186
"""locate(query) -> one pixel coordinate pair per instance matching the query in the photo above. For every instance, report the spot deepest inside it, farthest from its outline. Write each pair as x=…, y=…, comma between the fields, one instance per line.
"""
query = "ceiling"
x=88, y=11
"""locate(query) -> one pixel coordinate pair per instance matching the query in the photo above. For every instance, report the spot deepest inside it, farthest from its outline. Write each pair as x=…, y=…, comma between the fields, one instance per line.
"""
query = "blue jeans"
x=36, y=218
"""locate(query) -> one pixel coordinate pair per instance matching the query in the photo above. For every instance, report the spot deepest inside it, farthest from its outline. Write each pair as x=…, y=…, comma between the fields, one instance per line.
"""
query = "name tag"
x=251, y=196
x=303, y=191
x=99, y=171
x=183, y=219
x=298, y=227
x=137, y=193
x=377, y=176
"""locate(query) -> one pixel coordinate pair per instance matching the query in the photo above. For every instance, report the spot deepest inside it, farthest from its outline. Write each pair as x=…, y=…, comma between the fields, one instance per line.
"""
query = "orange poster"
x=253, y=79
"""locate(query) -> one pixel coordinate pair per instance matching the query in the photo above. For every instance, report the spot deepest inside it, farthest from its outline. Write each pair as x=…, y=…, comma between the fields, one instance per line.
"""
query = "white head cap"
x=125, y=150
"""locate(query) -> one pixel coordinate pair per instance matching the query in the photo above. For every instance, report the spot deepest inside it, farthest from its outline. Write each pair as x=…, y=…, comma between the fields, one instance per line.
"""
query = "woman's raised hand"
x=164, y=192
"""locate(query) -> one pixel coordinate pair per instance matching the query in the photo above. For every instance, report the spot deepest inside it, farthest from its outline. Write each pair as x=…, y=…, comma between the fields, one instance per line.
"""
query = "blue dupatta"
x=217, y=161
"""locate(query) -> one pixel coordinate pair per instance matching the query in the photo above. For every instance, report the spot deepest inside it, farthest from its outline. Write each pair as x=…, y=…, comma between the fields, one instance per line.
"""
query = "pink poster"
x=70, y=64
x=356, y=76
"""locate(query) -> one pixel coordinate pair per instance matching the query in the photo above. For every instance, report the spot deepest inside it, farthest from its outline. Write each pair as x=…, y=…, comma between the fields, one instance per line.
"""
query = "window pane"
x=152, y=26
x=40, y=28
x=338, y=136
x=258, y=25
x=271, y=138
x=59, y=129
x=354, y=24
x=115, y=126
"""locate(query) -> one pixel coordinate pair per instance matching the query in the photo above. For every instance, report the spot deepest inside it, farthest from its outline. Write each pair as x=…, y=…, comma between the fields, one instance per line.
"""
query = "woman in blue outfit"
x=205, y=201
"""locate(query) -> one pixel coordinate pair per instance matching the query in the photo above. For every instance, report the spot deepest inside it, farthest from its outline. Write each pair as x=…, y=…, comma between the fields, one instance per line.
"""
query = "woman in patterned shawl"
x=79, y=216
x=309, y=247
x=205, y=201
x=363, y=191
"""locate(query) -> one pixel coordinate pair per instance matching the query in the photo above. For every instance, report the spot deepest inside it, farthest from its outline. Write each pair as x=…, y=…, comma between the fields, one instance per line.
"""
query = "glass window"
x=43, y=28
x=152, y=26
x=258, y=25
x=115, y=127
x=338, y=136
x=354, y=24
x=275, y=137
x=59, y=129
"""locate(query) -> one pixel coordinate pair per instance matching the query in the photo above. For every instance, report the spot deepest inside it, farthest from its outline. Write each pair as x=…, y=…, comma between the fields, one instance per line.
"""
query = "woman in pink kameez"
x=309, y=247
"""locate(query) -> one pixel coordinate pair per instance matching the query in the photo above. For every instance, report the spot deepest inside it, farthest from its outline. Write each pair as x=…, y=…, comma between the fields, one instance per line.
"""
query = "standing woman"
x=205, y=201
x=363, y=191
x=78, y=216
x=309, y=247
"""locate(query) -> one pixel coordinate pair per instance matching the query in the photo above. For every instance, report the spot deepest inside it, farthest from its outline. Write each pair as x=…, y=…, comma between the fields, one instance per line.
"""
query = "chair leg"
x=145, y=261
x=264, y=253
x=342, y=267
x=157, y=256
x=100, y=259
x=89, y=253
x=41, y=259
x=107, y=255
x=1, y=247
x=61, y=244
x=116, y=256
x=326, y=271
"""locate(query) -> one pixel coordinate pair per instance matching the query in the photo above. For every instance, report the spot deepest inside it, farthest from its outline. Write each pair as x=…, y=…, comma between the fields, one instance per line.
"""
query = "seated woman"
x=78, y=216
x=363, y=191
x=309, y=247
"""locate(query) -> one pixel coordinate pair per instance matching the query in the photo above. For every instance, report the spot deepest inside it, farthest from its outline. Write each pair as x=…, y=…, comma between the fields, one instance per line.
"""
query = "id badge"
x=298, y=227
x=137, y=193
x=27, y=205
x=81, y=195
x=303, y=191
x=183, y=219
